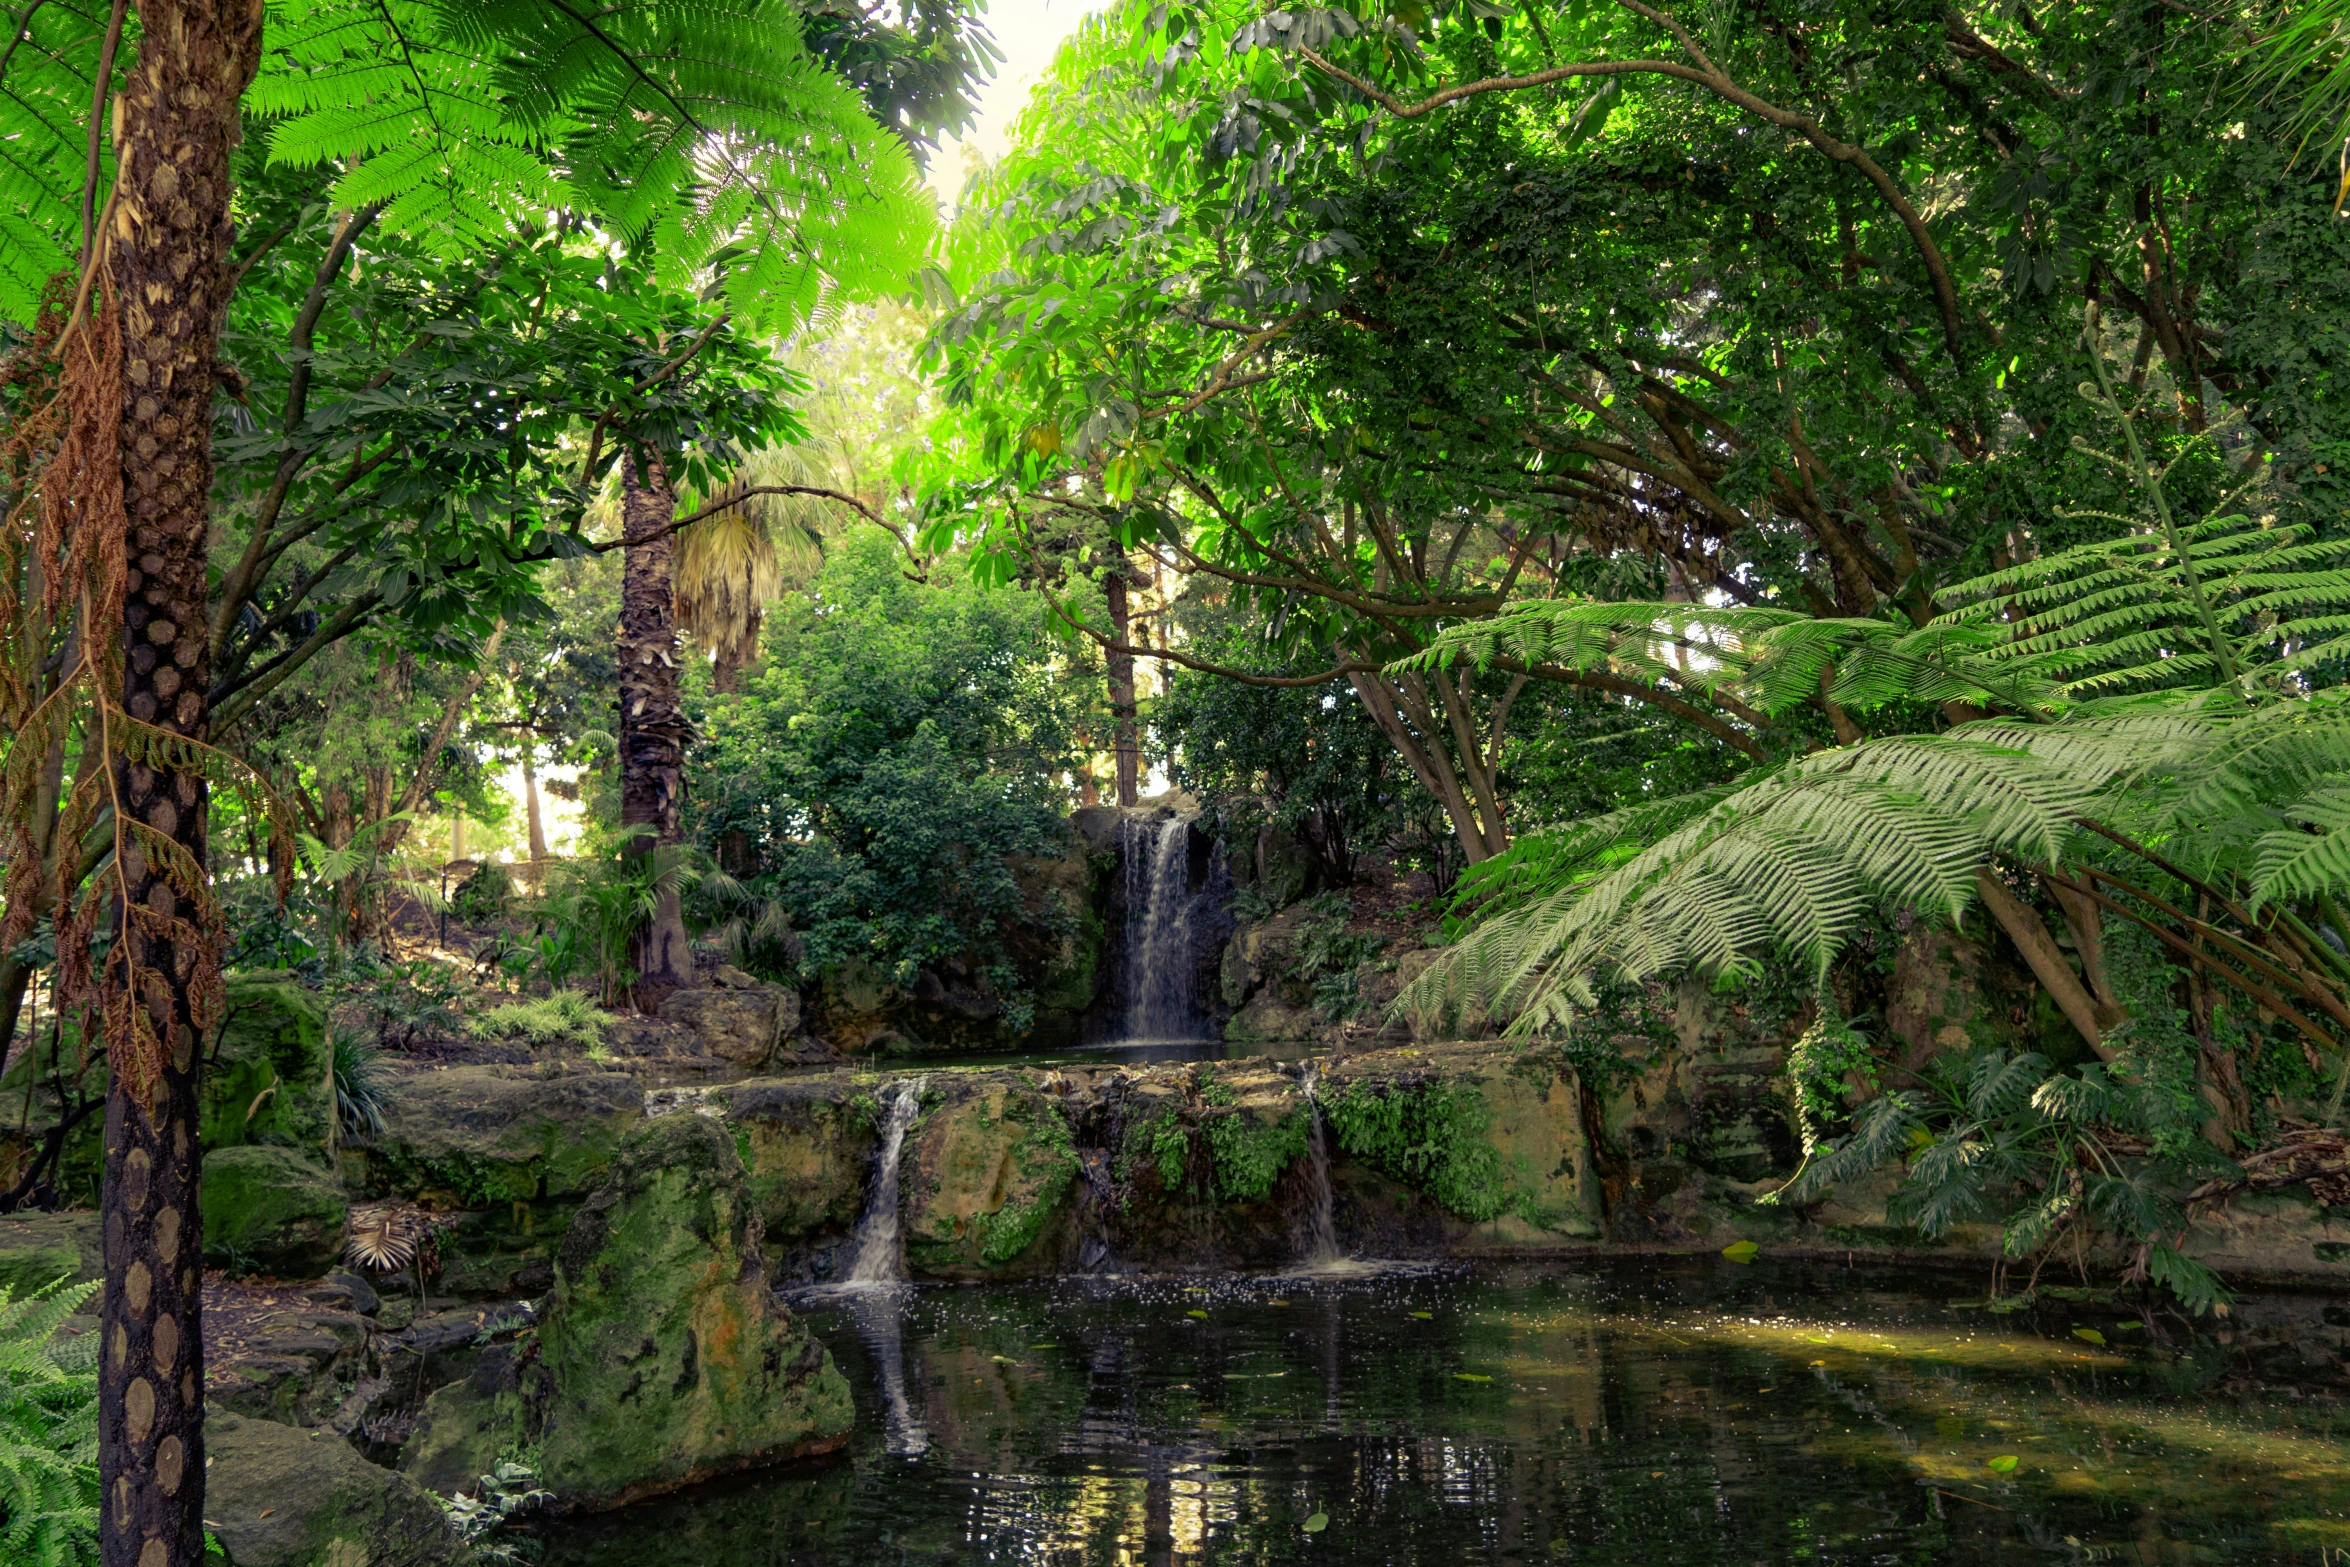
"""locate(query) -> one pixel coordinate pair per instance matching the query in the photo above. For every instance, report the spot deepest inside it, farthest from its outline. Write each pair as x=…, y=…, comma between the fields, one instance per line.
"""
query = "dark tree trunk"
x=652, y=725
x=176, y=125
x=1124, y=739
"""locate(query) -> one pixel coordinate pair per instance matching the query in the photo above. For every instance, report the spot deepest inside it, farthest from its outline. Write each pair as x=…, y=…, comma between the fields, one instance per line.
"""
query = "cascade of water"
x=1159, y=977
x=880, y=1260
x=1321, y=1218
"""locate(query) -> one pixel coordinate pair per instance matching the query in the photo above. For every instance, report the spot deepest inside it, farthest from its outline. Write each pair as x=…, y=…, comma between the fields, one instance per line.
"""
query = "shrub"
x=565, y=1017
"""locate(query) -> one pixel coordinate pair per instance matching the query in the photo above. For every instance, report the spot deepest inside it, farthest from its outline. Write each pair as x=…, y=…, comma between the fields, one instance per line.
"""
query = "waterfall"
x=1159, y=967
x=1321, y=1248
x=880, y=1259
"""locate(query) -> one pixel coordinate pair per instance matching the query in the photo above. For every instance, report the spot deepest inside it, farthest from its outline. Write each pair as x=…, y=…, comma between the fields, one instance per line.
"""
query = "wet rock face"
x=662, y=1355
x=270, y=1210
x=807, y=1149
x=282, y=1497
x=984, y=1182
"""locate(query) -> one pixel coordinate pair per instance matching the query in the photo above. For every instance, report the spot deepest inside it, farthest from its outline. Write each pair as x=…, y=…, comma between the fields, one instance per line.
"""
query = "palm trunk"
x=652, y=725
x=176, y=125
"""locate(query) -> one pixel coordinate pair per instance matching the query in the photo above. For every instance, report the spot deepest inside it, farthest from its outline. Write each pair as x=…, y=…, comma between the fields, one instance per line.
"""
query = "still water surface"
x=1633, y=1415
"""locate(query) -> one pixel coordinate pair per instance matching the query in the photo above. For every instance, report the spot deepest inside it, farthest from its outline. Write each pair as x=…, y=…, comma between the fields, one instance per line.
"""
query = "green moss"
x=1046, y=1160
x=1249, y=1159
x=1429, y=1136
x=269, y=1210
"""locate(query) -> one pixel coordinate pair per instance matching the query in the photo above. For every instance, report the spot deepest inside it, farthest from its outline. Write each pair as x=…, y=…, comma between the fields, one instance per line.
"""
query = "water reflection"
x=1633, y=1417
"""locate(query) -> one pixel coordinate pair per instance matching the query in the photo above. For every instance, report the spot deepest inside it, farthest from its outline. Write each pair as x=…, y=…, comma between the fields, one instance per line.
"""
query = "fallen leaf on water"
x=1469, y=1376
x=1765, y=1390
x=1819, y=1362
x=266, y=1511
x=1276, y=1303
x=1741, y=1251
x=1810, y=1340
x=1196, y=1312
x=2089, y=1336
x=1317, y=1523
x=1425, y=1316
x=1044, y=1346
x=2002, y=1465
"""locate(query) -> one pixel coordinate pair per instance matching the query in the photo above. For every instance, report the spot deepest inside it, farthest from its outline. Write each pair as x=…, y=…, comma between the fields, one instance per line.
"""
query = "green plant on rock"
x=564, y=1017
x=1249, y=1159
x=48, y=1431
x=2054, y=1157
x=1046, y=1156
x=361, y=1081
x=1429, y=1136
x=480, y=1519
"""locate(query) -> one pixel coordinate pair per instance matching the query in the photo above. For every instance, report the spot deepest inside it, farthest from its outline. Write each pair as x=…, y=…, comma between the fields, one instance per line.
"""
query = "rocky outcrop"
x=470, y=1136
x=744, y=1025
x=513, y=1150
x=37, y=1249
x=278, y=1496
x=984, y=1180
x=662, y=1355
x=807, y=1149
x=270, y=1210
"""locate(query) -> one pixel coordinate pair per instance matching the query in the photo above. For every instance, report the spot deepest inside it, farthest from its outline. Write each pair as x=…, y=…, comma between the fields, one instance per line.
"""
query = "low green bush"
x=567, y=1017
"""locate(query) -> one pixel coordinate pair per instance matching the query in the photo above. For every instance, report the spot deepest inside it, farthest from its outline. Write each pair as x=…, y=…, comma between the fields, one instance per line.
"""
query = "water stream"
x=1321, y=1248
x=880, y=1256
x=1631, y=1413
x=1160, y=1004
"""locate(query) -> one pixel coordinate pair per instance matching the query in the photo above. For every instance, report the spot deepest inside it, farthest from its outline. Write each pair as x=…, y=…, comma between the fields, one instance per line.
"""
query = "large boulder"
x=986, y=1176
x=279, y=1496
x=515, y=1149
x=1492, y=1136
x=743, y=1025
x=271, y=1079
x=41, y=1248
x=662, y=1356
x=807, y=1145
x=270, y=1210
x=475, y=1136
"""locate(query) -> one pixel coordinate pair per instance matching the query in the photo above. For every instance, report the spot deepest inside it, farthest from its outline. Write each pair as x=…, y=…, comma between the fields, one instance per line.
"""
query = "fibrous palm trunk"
x=652, y=724
x=176, y=123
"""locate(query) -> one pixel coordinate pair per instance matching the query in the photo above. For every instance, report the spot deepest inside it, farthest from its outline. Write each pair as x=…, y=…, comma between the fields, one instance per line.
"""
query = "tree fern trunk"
x=169, y=238
x=652, y=724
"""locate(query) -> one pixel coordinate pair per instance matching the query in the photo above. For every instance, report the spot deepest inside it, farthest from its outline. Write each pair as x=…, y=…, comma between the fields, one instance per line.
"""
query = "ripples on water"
x=1628, y=1416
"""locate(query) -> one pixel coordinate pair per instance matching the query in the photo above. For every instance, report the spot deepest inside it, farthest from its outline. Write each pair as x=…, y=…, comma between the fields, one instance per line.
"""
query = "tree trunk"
x=1123, y=737
x=176, y=125
x=652, y=726
x=530, y=808
x=457, y=836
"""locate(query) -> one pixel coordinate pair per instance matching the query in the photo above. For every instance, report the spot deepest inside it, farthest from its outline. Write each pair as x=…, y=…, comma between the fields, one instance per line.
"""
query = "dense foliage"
x=906, y=745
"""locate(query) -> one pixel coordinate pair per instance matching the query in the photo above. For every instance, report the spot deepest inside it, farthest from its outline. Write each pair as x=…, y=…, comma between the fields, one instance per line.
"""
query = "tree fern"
x=705, y=131
x=48, y=1431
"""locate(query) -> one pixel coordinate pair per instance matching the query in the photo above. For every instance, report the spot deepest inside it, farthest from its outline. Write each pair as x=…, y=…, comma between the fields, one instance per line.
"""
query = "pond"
x=1633, y=1413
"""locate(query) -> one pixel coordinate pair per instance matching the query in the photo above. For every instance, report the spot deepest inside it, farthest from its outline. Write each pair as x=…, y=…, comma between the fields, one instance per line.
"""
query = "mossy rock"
x=662, y=1355
x=807, y=1149
x=271, y=1079
x=269, y=1210
x=987, y=1177
x=268, y=1080
x=280, y=1496
x=38, y=1249
x=482, y=1136
x=1493, y=1136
